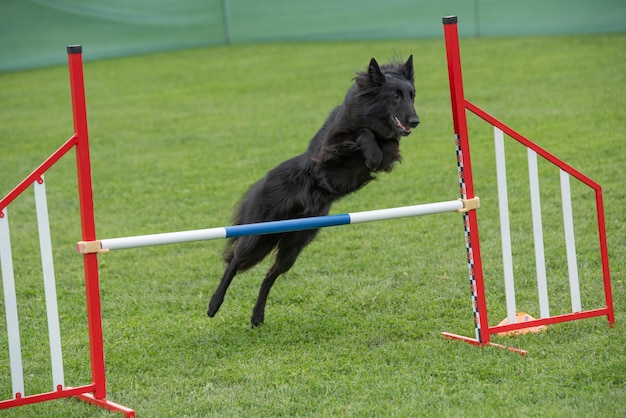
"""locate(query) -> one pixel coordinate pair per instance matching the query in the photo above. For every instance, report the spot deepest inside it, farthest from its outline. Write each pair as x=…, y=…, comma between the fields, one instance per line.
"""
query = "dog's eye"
x=397, y=94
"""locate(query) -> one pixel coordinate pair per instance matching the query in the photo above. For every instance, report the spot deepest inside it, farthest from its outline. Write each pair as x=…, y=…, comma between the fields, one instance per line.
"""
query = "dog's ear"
x=408, y=68
x=376, y=76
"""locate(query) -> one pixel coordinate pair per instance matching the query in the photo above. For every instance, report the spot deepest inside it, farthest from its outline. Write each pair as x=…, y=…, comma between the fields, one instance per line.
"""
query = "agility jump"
x=90, y=246
x=460, y=106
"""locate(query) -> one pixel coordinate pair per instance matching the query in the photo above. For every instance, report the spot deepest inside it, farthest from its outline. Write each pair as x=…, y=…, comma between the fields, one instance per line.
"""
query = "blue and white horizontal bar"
x=275, y=227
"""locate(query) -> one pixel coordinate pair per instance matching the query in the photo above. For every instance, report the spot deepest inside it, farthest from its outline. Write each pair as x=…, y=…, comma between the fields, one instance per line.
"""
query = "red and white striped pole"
x=466, y=182
x=88, y=224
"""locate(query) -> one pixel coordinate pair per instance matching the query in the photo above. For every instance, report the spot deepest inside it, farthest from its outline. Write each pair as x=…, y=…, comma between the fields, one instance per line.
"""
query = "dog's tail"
x=229, y=250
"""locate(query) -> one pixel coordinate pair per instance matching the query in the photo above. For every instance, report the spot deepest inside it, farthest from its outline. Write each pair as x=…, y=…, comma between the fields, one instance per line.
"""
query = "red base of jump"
x=103, y=403
x=81, y=392
x=475, y=342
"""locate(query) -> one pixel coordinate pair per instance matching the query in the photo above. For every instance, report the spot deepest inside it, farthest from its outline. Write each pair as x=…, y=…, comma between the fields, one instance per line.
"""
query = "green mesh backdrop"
x=35, y=32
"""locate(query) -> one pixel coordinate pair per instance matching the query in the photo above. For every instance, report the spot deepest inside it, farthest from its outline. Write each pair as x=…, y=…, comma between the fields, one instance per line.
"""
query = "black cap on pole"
x=74, y=49
x=448, y=20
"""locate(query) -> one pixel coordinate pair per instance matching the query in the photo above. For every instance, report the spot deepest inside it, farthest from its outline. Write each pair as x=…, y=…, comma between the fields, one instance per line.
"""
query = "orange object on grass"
x=521, y=317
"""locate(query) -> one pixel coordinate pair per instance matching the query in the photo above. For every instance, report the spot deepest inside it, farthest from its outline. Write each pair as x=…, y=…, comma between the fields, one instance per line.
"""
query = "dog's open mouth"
x=404, y=131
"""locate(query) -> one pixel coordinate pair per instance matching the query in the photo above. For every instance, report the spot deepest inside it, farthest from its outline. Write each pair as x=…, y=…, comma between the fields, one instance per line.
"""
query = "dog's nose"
x=414, y=122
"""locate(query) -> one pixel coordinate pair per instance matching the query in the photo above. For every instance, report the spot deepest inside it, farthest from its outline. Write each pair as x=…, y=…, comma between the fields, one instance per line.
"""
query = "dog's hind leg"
x=258, y=313
x=289, y=247
x=247, y=252
x=218, y=297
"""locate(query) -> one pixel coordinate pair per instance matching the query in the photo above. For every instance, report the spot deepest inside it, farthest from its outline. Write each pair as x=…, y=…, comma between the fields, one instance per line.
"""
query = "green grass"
x=353, y=328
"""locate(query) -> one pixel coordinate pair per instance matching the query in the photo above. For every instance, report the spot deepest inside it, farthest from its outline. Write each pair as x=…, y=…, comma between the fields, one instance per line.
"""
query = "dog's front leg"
x=370, y=149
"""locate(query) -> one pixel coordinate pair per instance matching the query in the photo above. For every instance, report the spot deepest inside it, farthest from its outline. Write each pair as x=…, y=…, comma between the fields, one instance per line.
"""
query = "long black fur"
x=360, y=138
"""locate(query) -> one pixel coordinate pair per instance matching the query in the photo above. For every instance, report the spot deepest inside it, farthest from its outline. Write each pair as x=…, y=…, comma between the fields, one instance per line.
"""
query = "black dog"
x=360, y=137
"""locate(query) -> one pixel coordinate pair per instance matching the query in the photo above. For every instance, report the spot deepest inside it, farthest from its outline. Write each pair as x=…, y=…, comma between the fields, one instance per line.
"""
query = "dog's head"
x=386, y=97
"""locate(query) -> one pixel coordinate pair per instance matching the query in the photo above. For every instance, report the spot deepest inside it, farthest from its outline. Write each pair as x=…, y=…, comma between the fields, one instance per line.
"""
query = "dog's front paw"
x=373, y=158
x=372, y=154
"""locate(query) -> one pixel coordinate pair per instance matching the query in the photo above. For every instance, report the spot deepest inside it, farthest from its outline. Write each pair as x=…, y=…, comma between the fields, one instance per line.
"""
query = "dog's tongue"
x=404, y=131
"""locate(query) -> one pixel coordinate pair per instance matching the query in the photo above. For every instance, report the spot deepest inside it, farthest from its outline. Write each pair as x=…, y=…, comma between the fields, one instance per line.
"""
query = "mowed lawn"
x=354, y=328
